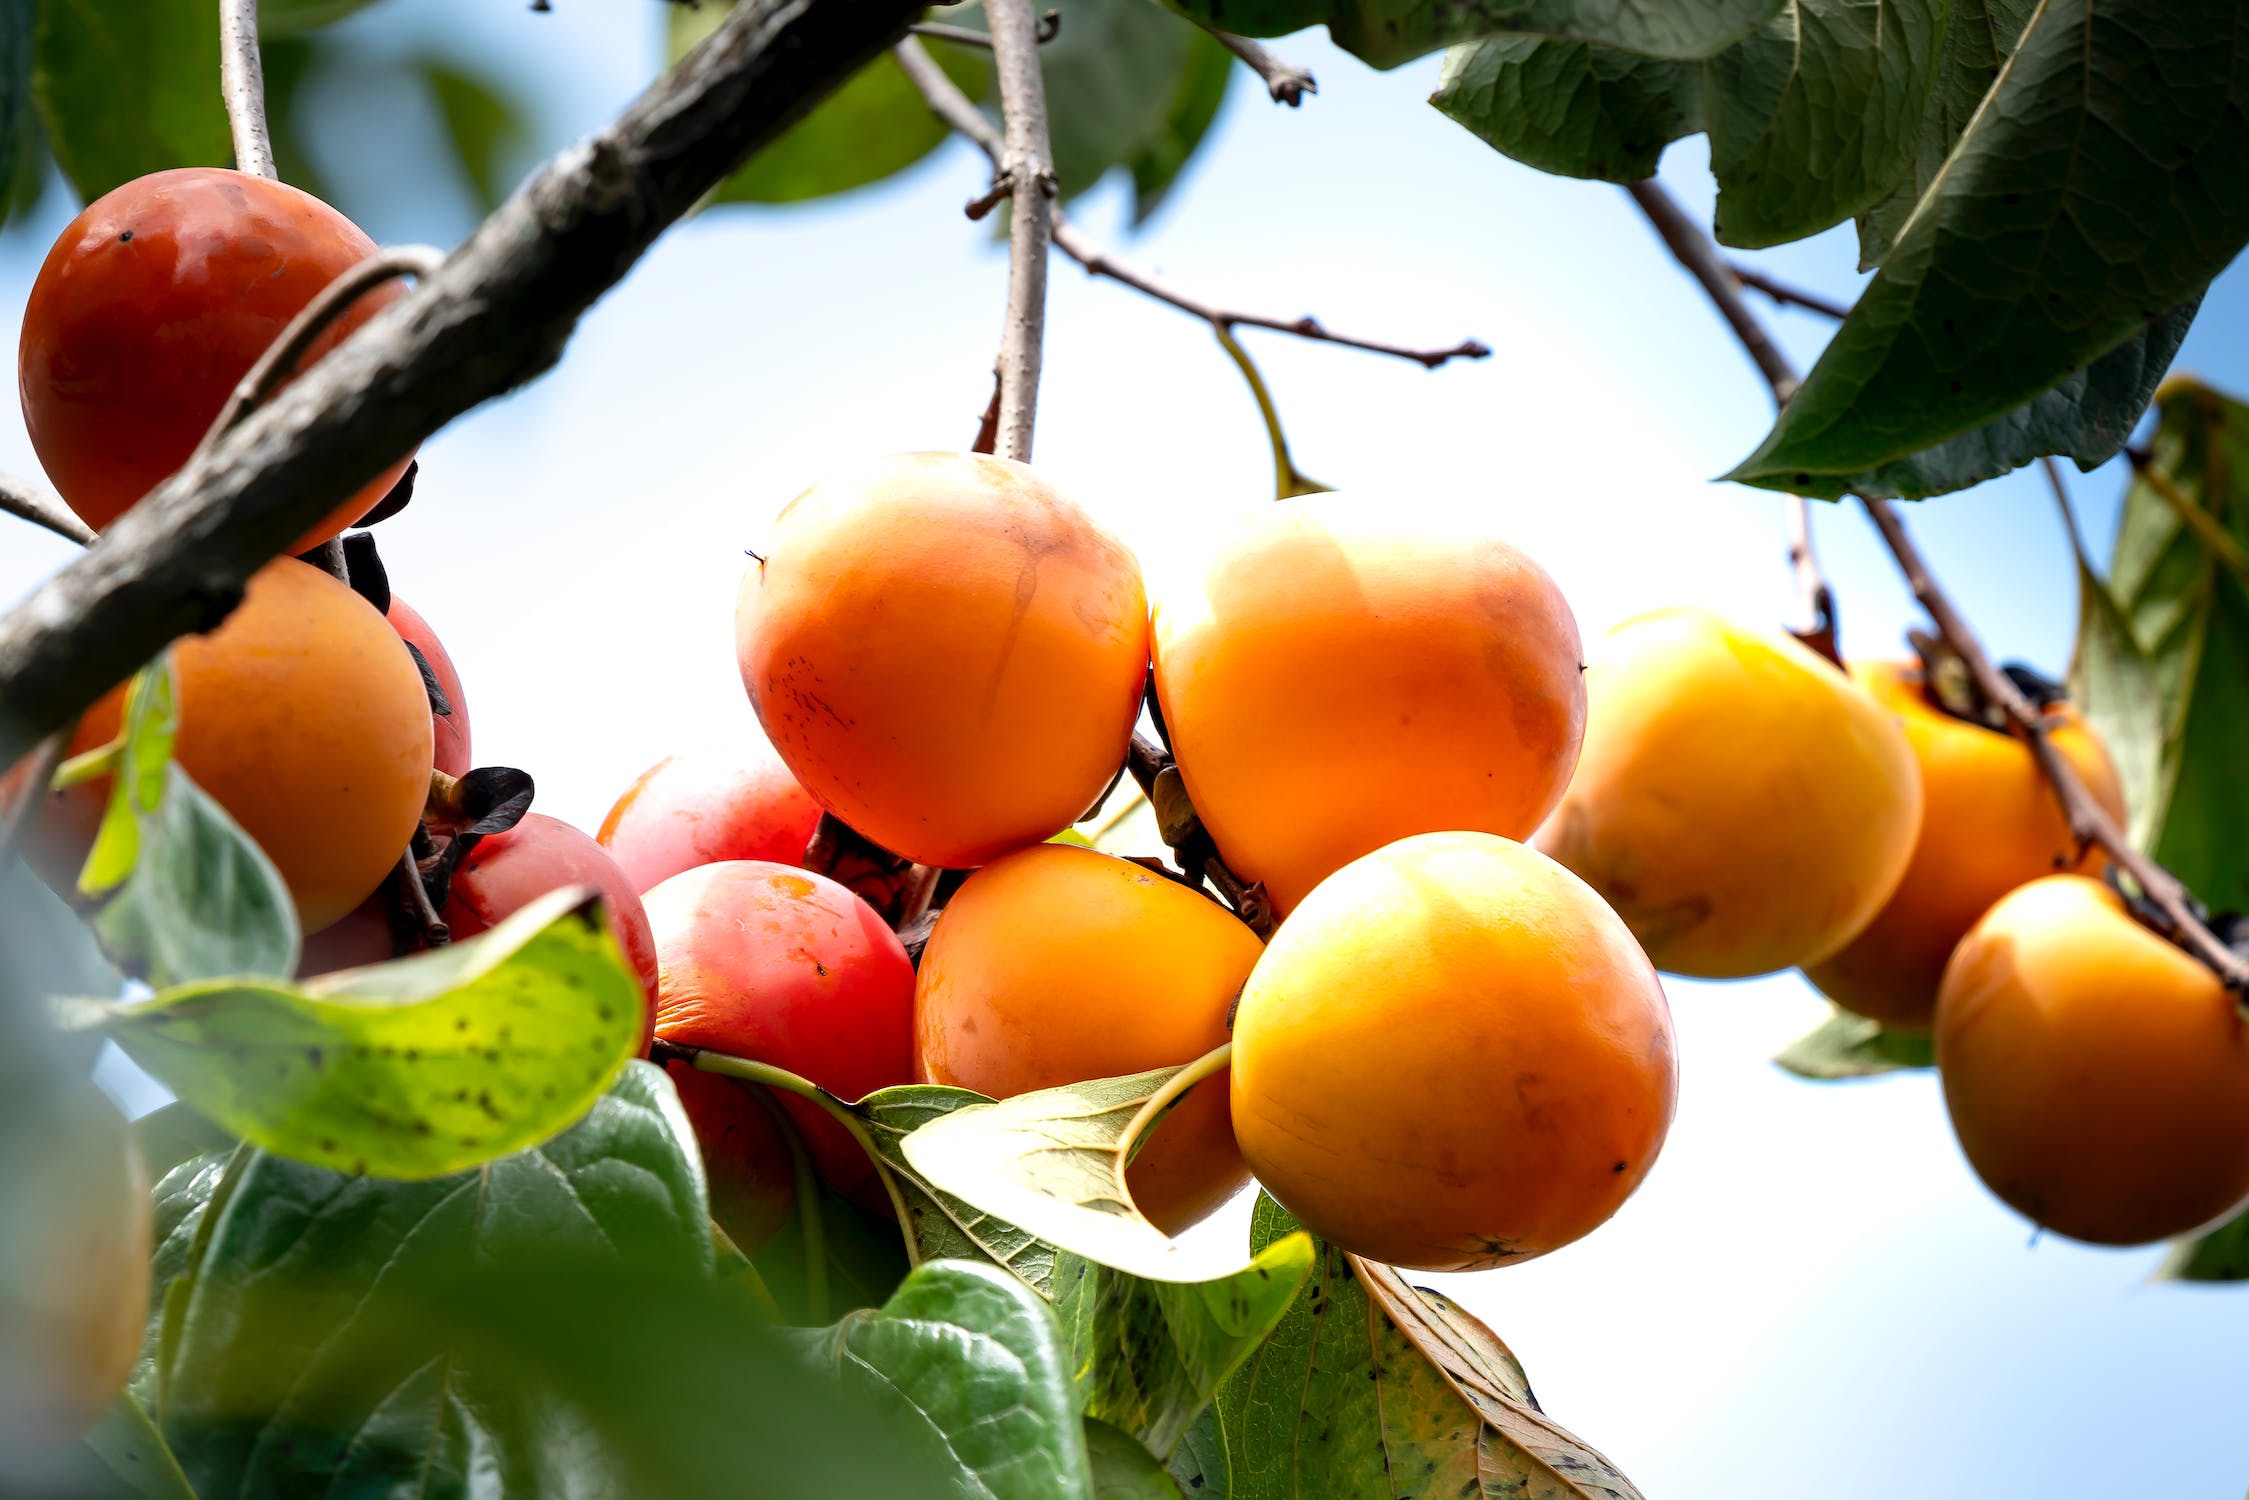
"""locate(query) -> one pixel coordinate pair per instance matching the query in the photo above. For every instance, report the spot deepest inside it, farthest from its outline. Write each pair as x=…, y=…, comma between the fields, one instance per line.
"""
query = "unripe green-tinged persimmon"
x=304, y=716
x=1056, y=964
x=74, y=1266
x=1742, y=803
x=784, y=966
x=1452, y=1056
x=1989, y=823
x=752, y=1182
x=453, y=753
x=150, y=308
x=947, y=653
x=702, y=809
x=2097, y=1075
x=1344, y=673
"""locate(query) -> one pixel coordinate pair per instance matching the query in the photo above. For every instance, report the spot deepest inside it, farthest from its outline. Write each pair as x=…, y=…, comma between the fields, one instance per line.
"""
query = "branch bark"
x=242, y=78
x=494, y=316
x=22, y=498
x=1026, y=168
x=1786, y=295
x=1284, y=80
x=2089, y=822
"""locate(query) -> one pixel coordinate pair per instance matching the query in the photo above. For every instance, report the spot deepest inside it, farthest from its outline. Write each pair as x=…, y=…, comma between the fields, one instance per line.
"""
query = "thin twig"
x=20, y=497
x=16, y=821
x=1026, y=165
x=1786, y=295
x=1285, y=81
x=2089, y=821
x=242, y=78
x=956, y=109
x=1050, y=27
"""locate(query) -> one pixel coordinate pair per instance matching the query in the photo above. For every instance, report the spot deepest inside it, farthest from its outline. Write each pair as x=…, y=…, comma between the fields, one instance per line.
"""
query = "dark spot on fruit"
x=1618, y=1167
x=126, y=238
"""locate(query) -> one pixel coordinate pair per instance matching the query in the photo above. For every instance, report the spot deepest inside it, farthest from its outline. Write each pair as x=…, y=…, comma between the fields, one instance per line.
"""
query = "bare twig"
x=2089, y=821
x=1285, y=81
x=1786, y=295
x=1050, y=27
x=1026, y=165
x=495, y=315
x=242, y=78
x=957, y=110
x=16, y=821
x=20, y=497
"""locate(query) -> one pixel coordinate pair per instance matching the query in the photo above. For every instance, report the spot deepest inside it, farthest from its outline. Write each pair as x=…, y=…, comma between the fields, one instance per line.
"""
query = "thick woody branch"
x=1285, y=81
x=495, y=315
x=955, y=108
x=1026, y=167
x=20, y=497
x=242, y=79
x=2089, y=821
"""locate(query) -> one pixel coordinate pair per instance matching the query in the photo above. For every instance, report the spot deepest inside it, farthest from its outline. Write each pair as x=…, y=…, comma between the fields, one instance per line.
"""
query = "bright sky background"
x=1812, y=1295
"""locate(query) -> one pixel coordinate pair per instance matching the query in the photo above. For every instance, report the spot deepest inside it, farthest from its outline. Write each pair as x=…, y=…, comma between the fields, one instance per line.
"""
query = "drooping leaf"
x=1979, y=37
x=127, y=1444
x=2089, y=196
x=976, y=1356
x=415, y=1068
x=284, y=1375
x=1197, y=96
x=1814, y=116
x=1389, y=32
x=127, y=87
x=2181, y=578
x=945, y=1227
x=485, y=124
x=147, y=729
x=1851, y=1046
x=1369, y=1386
x=1571, y=107
x=1122, y=1468
x=2220, y=1254
x=2114, y=683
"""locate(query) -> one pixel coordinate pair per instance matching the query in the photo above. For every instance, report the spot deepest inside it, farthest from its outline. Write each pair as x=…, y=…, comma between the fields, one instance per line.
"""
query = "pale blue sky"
x=1812, y=1296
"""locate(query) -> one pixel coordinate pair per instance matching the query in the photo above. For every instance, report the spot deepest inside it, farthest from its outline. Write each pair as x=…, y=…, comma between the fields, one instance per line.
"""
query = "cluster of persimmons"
x=1454, y=1052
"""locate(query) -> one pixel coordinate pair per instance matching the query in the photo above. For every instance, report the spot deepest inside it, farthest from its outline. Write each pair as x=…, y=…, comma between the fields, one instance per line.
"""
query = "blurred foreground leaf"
x=128, y=87
x=1122, y=1468
x=2219, y=1254
x=1852, y=1046
x=1389, y=32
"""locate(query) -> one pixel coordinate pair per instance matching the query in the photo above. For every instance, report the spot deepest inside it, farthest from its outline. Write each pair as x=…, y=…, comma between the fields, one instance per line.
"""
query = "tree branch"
x=242, y=78
x=957, y=110
x=2089, y=821
x=1285, y=81
x=1026, y=167
x=495, y=315
x=20, y=497
x=1786, y=295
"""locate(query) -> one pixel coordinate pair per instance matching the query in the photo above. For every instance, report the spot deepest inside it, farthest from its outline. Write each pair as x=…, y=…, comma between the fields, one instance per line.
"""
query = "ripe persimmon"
x=947, y=653
x=1989, y=823
x=152, y=305
x=304, y=716
x=1342, y=674
x=1056, y=964
x=701, y=809
x=2096, y=1074
x=74, y=1267
x=453, y=753
x=1742, y=804
x=786, y=967
x=1452, y=1056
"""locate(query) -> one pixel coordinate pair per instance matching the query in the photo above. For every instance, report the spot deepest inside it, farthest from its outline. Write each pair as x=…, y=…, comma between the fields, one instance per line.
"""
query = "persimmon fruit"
x=152, y=305
x=454, y=749
x=2096, y=1074
x=702, y=809
x=74, y=1267
x=1056, y=964
x=304, y=716
x=1989, y=823
x=1342, y=674
x=1742, y=803
x=1452, y=1056
x=784, y=966
x=948, y=654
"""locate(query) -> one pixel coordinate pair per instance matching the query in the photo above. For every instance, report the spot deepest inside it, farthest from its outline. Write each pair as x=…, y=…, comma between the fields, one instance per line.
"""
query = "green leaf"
x=1851, y=1046
x=945, y=1227
x=2220, y=1254
x=976, y=1356
x=175, y=1133
x=1814, y=116
x=2115, y=685
x=147, y=730
x=1199, y=1464
x=1571, y=107
x=1389, y=32
x=484, y=123
x=130, y=1448
x=1196, y=99
x=1979, y=36
x=866, y=1259
x=19, y=21
x=128, y=87
x=2179, y=577
x=1122, y=1469
x=2089, y=196
x=1152, y=1354
x=283, y=1376
x=414, y=1068
x=2087, y=417
x=1368, y=1381
x=182, y=1198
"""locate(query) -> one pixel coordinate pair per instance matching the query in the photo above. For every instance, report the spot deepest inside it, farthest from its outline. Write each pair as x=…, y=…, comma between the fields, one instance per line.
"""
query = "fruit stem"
x=242, y=78
x=1174, y=1088
x=1191, y=844
x=1288, y=480
x=1026, y=172
x=2089, y=822
x=809, y=1221
x=435, y=932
